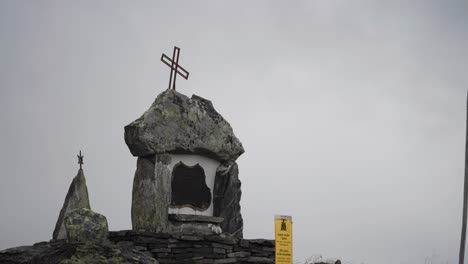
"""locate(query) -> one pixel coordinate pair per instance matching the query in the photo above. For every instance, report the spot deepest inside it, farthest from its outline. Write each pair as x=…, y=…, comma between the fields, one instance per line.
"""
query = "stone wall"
x=191, y=248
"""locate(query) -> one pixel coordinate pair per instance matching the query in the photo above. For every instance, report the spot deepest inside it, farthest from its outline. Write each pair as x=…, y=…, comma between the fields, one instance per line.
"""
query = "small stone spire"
x=77, y=197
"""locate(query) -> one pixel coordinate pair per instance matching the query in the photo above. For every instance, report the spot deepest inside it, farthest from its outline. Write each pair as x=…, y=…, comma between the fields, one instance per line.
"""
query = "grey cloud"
x=352, y=114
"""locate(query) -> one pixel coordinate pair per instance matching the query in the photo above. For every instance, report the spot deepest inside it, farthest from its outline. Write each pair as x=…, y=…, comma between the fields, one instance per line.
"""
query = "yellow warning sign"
x=283, y=239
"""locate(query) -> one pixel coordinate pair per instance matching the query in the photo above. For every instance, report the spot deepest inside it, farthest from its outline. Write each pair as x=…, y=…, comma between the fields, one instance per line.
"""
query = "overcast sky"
x=352, y=113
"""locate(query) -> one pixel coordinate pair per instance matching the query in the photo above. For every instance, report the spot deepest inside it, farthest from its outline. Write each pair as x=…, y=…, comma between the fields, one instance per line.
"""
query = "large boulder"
x=176, y=123
x=77, y=197
x=86, y=226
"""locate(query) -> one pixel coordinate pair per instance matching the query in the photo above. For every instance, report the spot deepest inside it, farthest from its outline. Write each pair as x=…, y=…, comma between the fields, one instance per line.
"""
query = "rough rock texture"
x=77, y=197
x=86, y=226
x=151, y=197
x=176, y=123
x=199, y=224
x=145, y=247
x=151, y=194
x=196, y=248
x=195, y=218
x=226, y=198
x=75, y=253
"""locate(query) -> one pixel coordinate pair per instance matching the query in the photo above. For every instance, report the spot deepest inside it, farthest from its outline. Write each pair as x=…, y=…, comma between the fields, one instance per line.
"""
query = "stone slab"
x=195, y=218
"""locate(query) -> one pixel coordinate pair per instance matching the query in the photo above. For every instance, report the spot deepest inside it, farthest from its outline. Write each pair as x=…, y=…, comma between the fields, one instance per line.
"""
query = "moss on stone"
x=84, y=225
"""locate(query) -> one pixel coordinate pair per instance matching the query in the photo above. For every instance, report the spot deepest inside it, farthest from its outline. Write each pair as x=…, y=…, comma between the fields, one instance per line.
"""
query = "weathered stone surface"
x=176, y=123
x=151, y=193
x=77, y=197
x=141, y=247
x=222, y=239
x=226, y=198
x=195, y=218
x=226, y=260
x=263, y=242
x=198, y=228
x=260, y=260
x=240, y=254
x=86, y=226
x=74, y=253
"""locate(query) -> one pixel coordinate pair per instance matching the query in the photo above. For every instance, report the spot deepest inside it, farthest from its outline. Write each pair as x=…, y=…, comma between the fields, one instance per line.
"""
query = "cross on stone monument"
x=80, y=159
x=175, y=67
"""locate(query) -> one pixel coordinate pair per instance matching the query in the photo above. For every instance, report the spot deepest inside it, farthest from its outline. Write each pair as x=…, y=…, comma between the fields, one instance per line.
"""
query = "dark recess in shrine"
x=189, y=187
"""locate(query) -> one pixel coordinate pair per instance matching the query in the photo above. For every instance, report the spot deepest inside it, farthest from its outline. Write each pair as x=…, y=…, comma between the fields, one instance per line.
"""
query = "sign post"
x=283, y=239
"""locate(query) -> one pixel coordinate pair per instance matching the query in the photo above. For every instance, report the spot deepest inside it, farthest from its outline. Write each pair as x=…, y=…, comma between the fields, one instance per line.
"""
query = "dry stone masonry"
x=146, y=248
x=196, y=248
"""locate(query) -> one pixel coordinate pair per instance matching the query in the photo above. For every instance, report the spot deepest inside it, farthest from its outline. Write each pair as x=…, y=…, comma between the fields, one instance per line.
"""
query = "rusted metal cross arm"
x=181, y=71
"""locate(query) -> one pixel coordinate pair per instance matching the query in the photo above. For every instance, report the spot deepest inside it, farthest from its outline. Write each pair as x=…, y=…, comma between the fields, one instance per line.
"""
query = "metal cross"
x=175, y=67
x=80, y=159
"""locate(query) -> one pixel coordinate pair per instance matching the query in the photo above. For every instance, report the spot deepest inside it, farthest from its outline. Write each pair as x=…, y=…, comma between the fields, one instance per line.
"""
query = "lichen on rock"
x=106, y=254
x=176, y=123
x=77, y=197
x=227, y=196
x=151, y=194
x=60, y=251
x=86, y=226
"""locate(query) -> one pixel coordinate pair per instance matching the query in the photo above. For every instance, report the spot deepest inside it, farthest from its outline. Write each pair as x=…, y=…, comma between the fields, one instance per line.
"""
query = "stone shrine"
x=186, y=178
x=185, y=198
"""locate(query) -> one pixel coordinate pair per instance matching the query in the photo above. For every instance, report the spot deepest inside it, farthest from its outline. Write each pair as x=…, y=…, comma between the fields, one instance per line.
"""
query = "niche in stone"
x=189, y=187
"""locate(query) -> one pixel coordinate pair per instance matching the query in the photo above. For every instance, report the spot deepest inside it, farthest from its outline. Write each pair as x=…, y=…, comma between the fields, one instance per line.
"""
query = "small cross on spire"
x=175, y=67
x=80, y=159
